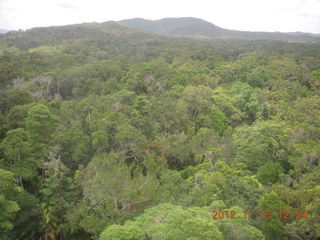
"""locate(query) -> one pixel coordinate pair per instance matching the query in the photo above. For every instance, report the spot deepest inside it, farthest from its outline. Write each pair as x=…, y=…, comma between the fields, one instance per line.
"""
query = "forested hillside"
x=111, y=133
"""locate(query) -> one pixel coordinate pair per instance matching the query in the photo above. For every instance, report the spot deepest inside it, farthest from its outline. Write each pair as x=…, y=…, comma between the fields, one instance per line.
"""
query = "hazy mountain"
x=3, y=31
x=194, y=27
x=176, y=26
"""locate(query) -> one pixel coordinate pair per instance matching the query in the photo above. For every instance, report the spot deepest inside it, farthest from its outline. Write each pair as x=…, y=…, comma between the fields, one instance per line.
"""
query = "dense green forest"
x=111, y=133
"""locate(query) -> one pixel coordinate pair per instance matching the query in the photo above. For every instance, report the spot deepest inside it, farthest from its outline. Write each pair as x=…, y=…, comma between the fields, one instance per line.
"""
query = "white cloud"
x=263, y=15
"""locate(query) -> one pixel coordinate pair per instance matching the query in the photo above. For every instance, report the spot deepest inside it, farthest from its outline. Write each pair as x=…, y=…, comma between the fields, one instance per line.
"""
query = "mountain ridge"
x=139, y=31
x=195, y=27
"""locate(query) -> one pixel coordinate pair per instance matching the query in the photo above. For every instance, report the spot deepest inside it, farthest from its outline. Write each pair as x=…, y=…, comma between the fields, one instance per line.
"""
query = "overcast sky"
x=254, y=15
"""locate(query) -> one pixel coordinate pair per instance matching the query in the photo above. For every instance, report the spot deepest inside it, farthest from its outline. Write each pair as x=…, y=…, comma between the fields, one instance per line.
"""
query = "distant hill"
x=3, y=31
x=194, y=27
x=176, y=26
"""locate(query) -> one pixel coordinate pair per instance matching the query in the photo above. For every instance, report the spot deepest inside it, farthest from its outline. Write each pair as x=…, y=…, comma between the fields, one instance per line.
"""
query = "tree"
x=269, y=172
x=18, y=155
x=40, y=126
x=8, y=204
x=130, y=231
x=239, y=228
x=167, y=221
x=115, y=191
x=262, y=142
x=272, y=228
x=238, y=101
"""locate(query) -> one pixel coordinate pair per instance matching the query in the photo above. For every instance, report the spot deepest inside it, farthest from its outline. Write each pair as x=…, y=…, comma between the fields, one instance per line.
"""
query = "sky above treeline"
x=250, y=15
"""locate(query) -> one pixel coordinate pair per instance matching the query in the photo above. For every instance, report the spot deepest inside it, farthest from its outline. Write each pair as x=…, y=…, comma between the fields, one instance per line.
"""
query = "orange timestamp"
x=282, y=214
